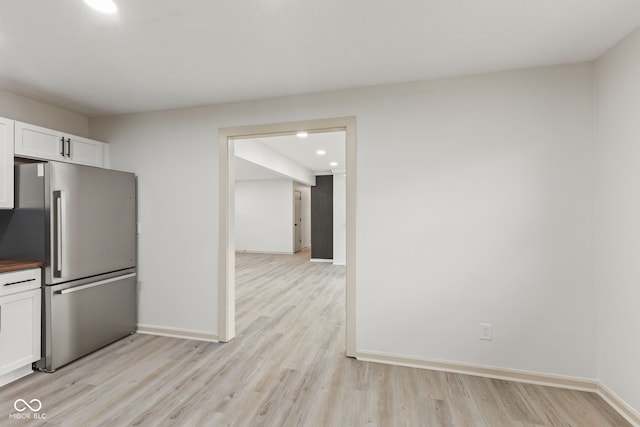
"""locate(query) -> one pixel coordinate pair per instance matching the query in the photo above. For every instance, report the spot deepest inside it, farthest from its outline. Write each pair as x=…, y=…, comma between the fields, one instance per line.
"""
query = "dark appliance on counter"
x=81, y=222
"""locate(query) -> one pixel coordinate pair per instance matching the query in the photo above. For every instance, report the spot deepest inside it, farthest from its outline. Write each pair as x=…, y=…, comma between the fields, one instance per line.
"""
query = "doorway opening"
x=227, y=237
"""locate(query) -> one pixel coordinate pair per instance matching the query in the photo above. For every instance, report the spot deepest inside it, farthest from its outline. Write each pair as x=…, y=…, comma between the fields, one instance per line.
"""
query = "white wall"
x=618, y=225
x=339, y=219
x=264, y=216
x=26, y=110
x=305, y=210
x=174, y=156
x=483, y=214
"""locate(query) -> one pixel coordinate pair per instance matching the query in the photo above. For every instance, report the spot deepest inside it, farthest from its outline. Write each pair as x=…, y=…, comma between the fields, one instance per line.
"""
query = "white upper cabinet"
x=38, y=142
x=85, y=151
x=6, y=163
x=41, y=143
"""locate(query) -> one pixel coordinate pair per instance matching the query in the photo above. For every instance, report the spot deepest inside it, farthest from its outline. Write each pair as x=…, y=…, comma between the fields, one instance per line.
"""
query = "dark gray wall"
x=322, y=218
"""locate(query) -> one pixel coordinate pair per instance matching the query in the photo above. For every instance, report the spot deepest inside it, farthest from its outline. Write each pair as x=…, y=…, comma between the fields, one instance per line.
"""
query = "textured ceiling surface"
x=160, y=54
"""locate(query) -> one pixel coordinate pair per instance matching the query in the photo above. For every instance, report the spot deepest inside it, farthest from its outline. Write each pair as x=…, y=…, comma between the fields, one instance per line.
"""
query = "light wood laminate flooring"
x=286, y=367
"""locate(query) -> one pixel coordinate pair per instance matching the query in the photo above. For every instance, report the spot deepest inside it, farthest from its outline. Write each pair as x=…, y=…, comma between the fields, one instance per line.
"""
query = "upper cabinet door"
x=84, y=151
x=41, y=143
x=38, y=142
x=6, y=163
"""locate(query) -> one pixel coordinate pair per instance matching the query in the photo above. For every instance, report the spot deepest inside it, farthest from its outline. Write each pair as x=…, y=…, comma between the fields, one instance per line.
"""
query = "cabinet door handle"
x=69, y=147
x=62, y=146
x=17, y=283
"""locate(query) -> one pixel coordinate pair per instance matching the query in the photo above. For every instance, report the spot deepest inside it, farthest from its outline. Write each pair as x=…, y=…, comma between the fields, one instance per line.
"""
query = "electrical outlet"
x=486, y=331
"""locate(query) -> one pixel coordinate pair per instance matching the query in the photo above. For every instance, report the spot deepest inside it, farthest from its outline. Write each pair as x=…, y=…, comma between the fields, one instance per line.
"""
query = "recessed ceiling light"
x=104, y=6
x=302, y=134
x=321, y=152
x=333, y=164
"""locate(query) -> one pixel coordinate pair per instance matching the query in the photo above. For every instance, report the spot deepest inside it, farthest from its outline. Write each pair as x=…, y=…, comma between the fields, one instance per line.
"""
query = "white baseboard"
x=573, y=383
x=177, y=333
x=263, y=252
x=15, y=375
x=621, y=407
x=320, y=260
x=560, y=381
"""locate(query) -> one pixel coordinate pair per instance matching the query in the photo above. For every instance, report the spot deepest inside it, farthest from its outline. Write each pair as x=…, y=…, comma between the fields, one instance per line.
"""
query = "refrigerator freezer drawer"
x=84, y=318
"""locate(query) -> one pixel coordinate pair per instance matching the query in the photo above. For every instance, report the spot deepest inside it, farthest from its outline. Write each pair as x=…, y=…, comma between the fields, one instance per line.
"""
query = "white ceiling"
x=246, y=170
x=302, y=151
x=159, y=54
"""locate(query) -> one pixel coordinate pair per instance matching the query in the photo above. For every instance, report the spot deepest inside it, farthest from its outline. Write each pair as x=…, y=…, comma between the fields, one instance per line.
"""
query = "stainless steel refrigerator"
x=81, y=222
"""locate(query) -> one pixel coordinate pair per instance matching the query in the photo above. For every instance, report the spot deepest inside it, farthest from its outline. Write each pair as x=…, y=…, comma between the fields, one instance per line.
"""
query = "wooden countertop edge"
x=8, y=265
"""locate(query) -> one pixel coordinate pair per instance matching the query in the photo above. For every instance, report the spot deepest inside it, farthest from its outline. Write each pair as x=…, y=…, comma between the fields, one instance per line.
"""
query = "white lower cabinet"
x=20, y=302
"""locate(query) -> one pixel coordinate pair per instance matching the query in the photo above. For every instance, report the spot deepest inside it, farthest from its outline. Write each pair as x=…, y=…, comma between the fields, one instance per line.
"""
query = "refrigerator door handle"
x=93, y=285
x=58, y=197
